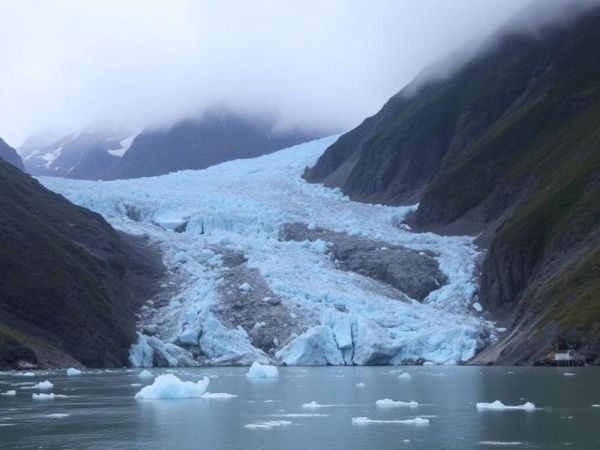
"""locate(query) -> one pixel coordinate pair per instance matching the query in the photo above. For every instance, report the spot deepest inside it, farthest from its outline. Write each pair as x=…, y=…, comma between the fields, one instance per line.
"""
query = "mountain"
x=507, y=147
x=200, y=143
x=90, y=154
x=71, y=284
x=10, y=155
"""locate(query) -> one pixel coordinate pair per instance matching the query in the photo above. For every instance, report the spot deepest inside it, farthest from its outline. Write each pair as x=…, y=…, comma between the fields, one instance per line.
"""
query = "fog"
x=319, y=65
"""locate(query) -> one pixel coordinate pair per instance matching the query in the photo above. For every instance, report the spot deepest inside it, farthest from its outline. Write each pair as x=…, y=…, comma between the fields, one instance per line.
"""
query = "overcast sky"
x=322, y=64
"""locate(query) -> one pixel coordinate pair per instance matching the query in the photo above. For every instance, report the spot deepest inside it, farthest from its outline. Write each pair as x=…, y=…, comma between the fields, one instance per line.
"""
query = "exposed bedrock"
x=415, y=273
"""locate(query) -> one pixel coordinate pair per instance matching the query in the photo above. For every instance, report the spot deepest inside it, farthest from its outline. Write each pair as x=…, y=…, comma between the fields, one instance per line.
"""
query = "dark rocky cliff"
x=70, y=285
x=10, y=155
x=508, y=147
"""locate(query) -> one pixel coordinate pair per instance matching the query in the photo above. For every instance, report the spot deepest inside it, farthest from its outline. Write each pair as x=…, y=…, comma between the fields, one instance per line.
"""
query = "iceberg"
x=50, y=396
x=388, y=403
x=218, y=395
x=170, y=387
x=405, y=376
x=360, y=384
x=57, y=415
x=42, y=385
x=267, y=424
x=258, y=370
x=28, y=374
x=499, y=406
x=365, y=421
x=71, y=371
x=146, y=374
x=10, y=393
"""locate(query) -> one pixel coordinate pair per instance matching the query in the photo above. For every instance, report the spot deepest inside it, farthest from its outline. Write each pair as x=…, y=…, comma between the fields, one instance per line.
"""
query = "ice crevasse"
x=324, y=315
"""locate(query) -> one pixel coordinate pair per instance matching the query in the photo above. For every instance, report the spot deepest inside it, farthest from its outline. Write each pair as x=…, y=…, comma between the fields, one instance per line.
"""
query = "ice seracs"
x=258, y=370
x=169, y=386
x=499, y=406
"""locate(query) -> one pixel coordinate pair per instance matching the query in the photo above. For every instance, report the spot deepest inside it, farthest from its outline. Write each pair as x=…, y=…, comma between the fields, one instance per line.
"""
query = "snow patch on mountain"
x=200, y=218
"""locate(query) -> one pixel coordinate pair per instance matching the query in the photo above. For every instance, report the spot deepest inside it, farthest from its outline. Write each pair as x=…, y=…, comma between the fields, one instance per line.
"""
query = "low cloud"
x=321, y=65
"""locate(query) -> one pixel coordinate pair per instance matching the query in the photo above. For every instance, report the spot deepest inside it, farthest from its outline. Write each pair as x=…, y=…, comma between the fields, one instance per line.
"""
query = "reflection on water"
x=101, y=412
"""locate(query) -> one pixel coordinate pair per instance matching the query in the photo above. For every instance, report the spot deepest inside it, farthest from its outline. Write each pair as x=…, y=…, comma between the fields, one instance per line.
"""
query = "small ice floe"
x=405, y=376
x=419, y=421
x=71, y=371
x=10, y=393
x=428, y=363
x=568, y=374
x=388, y=403
x=315, y=405
x=267, y=424
x=219, y=395
x=28, y=374
x=169, y=386
x=57, y=416
x=50, y=396
x=501, y=443
x=258, y=370
x=136, y=384
x=292, y=415
x=146, y=374
x=595, y=405
x=477, y=307
x=499, y=406
x=360, y=384
x=42, y=385
x=271, y=401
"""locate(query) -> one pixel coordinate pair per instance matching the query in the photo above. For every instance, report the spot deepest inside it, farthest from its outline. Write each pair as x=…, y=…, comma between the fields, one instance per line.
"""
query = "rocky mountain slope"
x=200, y=143
x=70, y=284
x=508, y=147
x=90, y=154
x=10, y=155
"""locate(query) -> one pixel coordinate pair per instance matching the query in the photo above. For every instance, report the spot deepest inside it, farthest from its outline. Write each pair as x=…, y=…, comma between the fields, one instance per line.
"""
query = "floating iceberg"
x=258, y=370
x=315, y=405
x=267, y=424
x=71, y=371
x=499, y=406
x=218, y=395
x=50, y=396
x=388, y=403
x=405, y=376
x=501, y=443
x=42, y=385
x=365, y=420
x=28, y=374
x=169, y=387
x=145, y=374
x=10, y=393
x=57, y=415
x=360, y=384
x=568, y=374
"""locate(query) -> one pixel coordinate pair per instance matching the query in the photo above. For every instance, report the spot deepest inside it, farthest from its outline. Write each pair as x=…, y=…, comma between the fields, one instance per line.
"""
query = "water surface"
x=103, y=413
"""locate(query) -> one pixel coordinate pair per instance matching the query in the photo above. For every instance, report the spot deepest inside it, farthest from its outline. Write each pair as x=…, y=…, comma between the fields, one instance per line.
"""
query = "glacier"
x=236, y=293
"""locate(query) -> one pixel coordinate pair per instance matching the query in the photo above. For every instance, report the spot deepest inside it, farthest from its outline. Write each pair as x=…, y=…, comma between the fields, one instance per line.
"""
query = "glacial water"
x=100, y=411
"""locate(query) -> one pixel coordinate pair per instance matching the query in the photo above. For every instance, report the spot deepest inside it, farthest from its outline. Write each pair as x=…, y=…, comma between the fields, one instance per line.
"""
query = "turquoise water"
x=103, y=413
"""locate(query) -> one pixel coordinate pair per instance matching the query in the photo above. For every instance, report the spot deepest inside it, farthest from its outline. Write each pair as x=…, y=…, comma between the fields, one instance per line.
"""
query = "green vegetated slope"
x=69, y=283
x=508, y=145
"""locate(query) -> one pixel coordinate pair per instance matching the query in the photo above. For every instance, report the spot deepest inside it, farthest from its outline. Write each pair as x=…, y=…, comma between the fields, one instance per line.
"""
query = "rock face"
x=197, y=144
x=70, y=285
x=413, y=273
x=10, y=155
x=90, y=154
x=509, y=145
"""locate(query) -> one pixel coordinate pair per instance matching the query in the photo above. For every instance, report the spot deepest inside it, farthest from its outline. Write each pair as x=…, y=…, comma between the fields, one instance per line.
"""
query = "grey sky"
x=319, y=64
